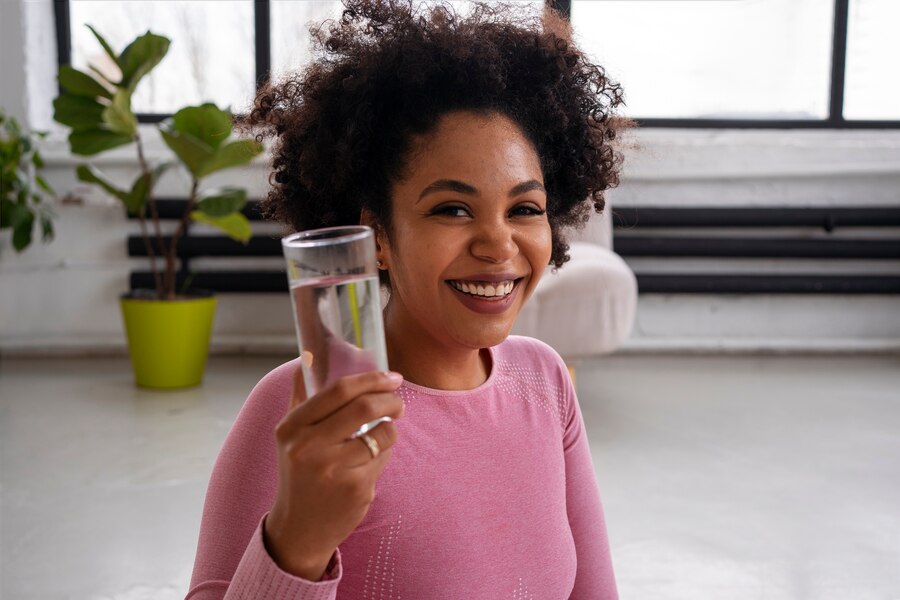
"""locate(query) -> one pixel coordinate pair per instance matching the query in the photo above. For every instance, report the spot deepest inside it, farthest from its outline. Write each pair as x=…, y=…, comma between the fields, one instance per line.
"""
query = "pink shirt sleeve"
x=232, y=562
x=594, y=579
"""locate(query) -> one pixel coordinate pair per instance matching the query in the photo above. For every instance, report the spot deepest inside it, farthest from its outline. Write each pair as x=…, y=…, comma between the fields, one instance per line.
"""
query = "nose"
x=494, y=240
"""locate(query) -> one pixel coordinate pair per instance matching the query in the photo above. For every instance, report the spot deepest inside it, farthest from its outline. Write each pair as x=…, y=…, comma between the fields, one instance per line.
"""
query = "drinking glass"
x=337, y=305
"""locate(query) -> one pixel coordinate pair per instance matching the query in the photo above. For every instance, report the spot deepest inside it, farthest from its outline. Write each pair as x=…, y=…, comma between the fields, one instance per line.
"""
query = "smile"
x=477, y=300
x=484, y=289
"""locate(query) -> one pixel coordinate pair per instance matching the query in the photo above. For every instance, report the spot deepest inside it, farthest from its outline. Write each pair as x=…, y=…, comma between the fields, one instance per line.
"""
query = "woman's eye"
x=453, y=211
x=528, y=210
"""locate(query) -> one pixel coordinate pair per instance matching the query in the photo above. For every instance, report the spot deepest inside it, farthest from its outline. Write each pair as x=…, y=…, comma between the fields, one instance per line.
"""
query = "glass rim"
x=351, y=233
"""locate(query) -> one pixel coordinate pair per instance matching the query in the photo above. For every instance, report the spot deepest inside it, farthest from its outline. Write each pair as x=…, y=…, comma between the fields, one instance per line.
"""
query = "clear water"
x=339, y=328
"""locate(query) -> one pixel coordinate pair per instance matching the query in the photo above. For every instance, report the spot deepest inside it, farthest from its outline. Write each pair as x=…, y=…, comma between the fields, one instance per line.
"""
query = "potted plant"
x=168, y=332
x=24, y=195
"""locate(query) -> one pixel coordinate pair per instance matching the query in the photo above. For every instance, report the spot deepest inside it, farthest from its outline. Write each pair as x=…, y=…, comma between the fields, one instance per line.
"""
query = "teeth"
x=491, y=290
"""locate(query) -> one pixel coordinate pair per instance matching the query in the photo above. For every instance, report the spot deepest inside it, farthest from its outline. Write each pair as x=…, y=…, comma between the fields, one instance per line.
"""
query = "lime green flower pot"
x=168, y=340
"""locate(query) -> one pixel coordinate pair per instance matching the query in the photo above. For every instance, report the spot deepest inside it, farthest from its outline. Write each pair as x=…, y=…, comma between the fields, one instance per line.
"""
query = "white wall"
x=63, y=297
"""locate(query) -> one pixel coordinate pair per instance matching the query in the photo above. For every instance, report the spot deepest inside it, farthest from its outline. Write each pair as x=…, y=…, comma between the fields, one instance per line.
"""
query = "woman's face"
x=470, y=214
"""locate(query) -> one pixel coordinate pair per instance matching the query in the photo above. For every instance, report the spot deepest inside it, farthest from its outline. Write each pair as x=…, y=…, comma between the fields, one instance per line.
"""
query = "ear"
x=367, y=218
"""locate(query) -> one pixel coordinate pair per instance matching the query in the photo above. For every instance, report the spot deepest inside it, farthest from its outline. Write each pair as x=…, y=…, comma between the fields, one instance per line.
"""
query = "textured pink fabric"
x=489, y=494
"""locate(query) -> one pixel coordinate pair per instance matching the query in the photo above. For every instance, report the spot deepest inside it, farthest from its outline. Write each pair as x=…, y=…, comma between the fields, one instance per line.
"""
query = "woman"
x=469, y=144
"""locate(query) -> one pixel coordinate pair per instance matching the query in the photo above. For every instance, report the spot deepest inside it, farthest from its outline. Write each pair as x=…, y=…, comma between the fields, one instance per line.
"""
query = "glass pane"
x=211, y=57
x=290, y=20
x=745, y=59
x=872, y=82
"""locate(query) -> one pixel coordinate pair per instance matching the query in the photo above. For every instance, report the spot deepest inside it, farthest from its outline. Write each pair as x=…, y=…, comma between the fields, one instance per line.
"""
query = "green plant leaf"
x=47, y=232
x=21, y=202
x=79, y=83
x=106, y=46
x=140, y=190
x=90, y=174
x=118, y=115
x=140, y=56
x=191, y=151
x=22, y=225
x=206, y=122
x=6, y=209
x=142, y=187
x=103, y=75
x=235, y=225
x=20, y=214
x=93, y=141
x=77, y=112
x=236, y=153
x=42, y=183
x=222, y=201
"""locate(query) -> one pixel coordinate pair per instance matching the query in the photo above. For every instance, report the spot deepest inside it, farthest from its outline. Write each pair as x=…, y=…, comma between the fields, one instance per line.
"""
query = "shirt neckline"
x=486, y=384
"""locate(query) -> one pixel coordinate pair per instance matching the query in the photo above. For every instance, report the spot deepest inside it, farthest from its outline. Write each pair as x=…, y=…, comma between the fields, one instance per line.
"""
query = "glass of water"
x=337, y=305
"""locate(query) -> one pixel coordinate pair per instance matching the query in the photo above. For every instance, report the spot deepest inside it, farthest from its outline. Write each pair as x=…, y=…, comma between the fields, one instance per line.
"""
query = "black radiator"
x=630, y=240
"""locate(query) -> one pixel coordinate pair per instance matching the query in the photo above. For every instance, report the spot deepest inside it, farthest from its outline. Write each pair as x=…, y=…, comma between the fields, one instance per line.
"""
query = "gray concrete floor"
x=723, y=477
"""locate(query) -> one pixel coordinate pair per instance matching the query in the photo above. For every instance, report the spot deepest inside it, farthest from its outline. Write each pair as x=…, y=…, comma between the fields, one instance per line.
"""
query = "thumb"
x=298, y=391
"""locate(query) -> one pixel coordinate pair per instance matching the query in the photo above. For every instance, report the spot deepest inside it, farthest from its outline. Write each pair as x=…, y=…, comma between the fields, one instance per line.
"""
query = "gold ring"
x=371, y=443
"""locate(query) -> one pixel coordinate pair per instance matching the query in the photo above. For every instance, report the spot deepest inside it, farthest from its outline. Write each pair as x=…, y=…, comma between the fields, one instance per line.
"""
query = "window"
x=764, y=59
x=873, y=81
x=210, y=58
x=682, y=63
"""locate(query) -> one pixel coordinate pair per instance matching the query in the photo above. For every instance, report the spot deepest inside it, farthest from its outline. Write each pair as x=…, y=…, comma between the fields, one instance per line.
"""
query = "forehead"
x=464, y=144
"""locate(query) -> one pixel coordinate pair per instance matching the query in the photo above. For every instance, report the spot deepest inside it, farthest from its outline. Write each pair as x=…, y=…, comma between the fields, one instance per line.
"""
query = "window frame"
x=835, y=119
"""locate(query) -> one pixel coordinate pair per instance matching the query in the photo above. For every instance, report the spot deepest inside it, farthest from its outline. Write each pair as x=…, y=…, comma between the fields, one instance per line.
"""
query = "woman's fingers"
x=330, y=402
x=361, y=411
x=356, y=451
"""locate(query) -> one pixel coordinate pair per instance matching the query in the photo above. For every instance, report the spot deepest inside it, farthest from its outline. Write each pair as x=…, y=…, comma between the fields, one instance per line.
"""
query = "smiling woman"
x=469, y=144
x=470, y=209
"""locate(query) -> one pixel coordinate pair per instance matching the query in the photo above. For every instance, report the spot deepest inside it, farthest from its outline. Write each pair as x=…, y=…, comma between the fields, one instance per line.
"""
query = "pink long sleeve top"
x=489, y=494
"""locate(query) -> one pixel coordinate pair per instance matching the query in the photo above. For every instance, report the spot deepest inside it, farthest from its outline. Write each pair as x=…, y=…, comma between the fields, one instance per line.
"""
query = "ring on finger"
x=371, y=443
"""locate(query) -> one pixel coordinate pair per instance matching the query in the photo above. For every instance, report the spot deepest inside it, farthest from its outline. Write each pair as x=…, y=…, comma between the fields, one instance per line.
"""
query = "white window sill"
x=654, y=154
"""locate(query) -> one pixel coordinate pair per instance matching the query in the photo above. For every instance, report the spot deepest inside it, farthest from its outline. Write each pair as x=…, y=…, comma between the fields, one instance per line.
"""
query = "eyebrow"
x=454, y=185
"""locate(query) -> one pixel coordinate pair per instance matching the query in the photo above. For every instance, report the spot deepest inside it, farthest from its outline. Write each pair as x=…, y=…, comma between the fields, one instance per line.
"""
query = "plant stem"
x=149, y=247
x=173, y=247
x=157, y=280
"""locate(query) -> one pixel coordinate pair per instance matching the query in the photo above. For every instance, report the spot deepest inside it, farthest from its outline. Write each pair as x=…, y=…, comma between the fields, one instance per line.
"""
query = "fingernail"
x=393, y=376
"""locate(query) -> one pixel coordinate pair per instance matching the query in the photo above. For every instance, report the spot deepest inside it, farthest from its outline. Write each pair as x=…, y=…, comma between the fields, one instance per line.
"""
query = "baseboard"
x=237, y=345
x=761, y=346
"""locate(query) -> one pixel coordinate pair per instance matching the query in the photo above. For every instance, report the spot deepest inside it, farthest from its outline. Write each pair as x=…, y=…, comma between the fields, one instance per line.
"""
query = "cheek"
x=418, y=254
x=540, y=246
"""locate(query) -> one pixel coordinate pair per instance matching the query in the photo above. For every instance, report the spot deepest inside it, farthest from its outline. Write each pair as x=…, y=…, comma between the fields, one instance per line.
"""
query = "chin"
x=484, y=338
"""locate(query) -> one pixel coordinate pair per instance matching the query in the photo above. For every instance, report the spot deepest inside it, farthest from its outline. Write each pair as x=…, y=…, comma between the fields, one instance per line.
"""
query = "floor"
x=723, y=477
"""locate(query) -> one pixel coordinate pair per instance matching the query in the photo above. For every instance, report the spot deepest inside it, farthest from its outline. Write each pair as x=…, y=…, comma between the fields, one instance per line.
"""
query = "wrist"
x=306, y=564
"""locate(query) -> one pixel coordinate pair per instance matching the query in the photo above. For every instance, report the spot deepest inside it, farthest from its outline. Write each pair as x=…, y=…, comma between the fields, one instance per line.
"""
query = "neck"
x=427, y=362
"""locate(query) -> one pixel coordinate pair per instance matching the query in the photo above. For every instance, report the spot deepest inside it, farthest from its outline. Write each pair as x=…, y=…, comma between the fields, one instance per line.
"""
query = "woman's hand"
x=326, y=481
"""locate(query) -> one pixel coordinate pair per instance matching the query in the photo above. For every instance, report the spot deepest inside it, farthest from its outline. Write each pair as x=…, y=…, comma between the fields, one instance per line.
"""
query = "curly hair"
x=389, y=69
